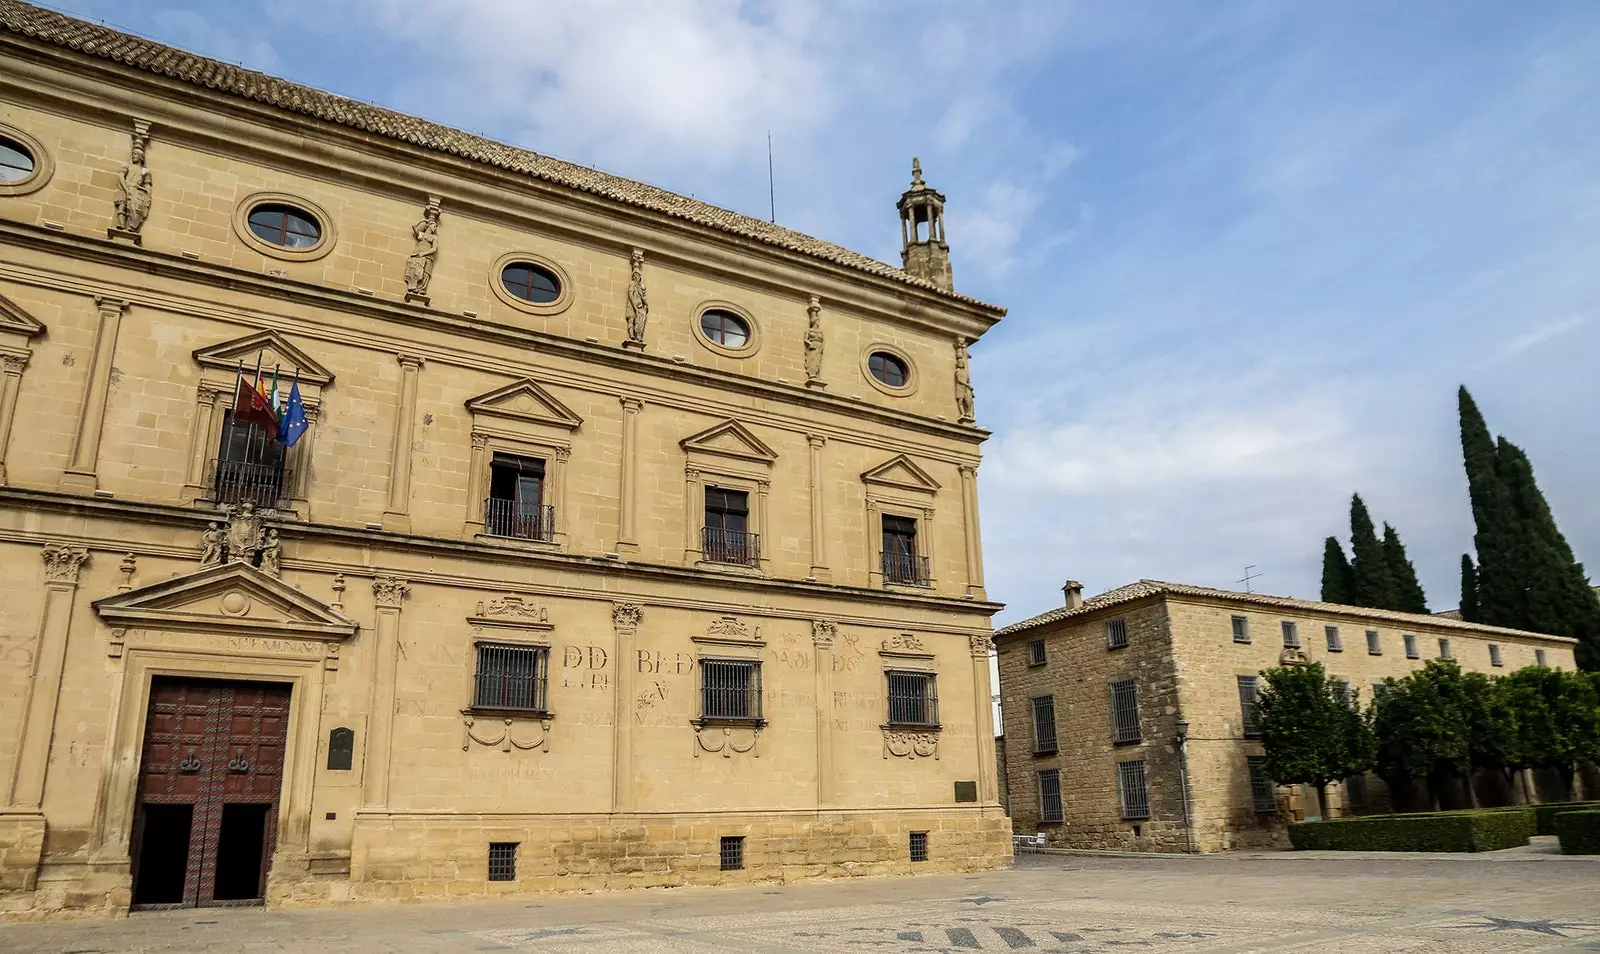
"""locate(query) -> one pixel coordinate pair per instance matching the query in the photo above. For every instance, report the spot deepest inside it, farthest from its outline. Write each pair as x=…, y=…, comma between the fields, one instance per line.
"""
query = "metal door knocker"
x=238, y=763
x=189, y=765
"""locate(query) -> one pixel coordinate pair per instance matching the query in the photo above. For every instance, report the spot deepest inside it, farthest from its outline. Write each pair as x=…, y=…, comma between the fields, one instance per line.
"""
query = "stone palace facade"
x=1117, y=706
x=630, y=541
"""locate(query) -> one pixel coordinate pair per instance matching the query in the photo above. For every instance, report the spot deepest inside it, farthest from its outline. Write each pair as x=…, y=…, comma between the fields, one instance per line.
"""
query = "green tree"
x=1491, y=728
x=1421, y=727
x=1311, y=737
x=1338, y=583
x=1405, y=590
x=1469, y=590
x=1557, y=718
x=1369, y=566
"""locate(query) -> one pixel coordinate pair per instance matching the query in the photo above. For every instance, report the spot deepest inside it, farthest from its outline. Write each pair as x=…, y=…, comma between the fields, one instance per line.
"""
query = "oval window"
x=888, y=369
x=725, y=328
x=285, y=226
x=16, y=162
x=531, y=283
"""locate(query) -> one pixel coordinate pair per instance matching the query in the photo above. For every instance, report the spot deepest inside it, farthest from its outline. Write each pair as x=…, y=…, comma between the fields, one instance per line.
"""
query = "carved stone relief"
x=981, y=644
x=637, y=310
x=61, y=563
x=814, y=344
x=505, y=734
x=904, y=642
x=823, y=633
x=966, y=408
x=389, y=592
x=514, y=608
x=910, y=745
x=133, y=189
x=424, y=250
x=626, y=616
x=244, y=540
x=725, y=740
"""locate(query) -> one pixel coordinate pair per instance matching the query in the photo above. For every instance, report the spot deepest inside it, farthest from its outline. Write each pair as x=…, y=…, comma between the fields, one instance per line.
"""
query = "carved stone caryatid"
x=966, y=407
x=61, y=563
x=981, y=645
x=637, y=310
x=823, y=633
x=814, y=343
x=389, y=592
x=424, y=250
x=910, y=745
x=626, y=617
x=272, y=554
x=213, y=540
x=133, y=188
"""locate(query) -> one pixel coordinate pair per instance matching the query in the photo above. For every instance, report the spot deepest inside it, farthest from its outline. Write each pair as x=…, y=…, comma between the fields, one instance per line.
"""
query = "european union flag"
x=294, y=417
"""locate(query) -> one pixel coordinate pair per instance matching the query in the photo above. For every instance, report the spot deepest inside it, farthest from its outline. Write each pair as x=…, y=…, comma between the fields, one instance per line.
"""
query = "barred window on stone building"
x=913, y=698
x=1241, y=629
x=1538, y=657
x=1036, y=656
x=919, y=846
x=1247, y=706
x=1116, y=633
x=730, y=852
x=1444, y=649
x=511, y=677
x=1374, y=647
x=1135, y=793
x=1411, y=646
x=730, y=690
x=1334, y=643
x=1291, y=634
x=1124, y=711
x=502, y=861
x=1494, y=655
x=1050, y=796
x=1378, y=689
x=1044, y=725
x=1341, y=692
x=1263, y=793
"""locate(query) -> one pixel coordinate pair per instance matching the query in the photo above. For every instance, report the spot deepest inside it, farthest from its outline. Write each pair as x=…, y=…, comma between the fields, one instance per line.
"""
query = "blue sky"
x=1249, y=248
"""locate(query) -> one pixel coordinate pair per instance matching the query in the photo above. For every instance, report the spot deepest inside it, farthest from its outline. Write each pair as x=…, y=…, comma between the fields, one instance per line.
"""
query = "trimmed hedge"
x=1482, y=830
x=1548, y=811
x=1579, y=832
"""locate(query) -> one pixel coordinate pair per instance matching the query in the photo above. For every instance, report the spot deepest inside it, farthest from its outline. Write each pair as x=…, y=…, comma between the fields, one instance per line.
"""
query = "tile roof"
x=142, y=54
x=1146, y=588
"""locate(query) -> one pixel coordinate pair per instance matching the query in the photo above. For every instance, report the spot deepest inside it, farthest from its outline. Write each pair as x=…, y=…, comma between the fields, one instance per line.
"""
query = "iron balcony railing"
x=266, y=486
x=523, y=521
x=906, y=568
x=730, y=546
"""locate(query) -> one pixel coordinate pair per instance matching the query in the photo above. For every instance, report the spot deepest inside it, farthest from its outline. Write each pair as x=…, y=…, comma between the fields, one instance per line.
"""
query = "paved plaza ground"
x=1048, y=903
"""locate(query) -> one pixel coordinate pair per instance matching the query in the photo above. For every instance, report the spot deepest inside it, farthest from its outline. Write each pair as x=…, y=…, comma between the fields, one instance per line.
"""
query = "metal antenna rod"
x=1248, y=576
x=772, y=193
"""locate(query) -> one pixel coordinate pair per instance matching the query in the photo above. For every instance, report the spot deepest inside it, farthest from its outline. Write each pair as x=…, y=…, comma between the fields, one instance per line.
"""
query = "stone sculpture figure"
x=211, y=542
x=271, y=554
x=419, y=267
x=965, y=405
x=244, y=533
x=133, y=189
x=638, y=309
x=814, y=343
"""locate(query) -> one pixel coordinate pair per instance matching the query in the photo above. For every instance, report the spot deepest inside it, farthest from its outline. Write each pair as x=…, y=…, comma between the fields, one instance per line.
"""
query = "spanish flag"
x=250, y=406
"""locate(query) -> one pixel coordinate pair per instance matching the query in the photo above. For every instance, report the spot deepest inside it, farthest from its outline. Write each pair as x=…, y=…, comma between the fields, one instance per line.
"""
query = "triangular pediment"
x=231, y=598
x=901, y=471
x=525, y=400
x=14, y=320
x=730, y=439
x=274, y=350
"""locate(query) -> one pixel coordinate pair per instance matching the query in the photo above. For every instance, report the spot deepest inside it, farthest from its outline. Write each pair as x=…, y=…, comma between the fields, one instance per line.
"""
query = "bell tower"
x=923, y=250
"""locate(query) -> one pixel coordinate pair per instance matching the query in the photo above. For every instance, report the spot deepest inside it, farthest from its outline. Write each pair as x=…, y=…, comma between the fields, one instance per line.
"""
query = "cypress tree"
x=1369, y=568
x=1338, y=584
x=1406, y=590
x=1501, y=587
x=1469, y=591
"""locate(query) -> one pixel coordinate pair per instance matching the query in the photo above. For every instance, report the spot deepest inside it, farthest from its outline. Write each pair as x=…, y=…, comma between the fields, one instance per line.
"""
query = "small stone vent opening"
x=502, y=861
x=732, y=853
x=919, y=846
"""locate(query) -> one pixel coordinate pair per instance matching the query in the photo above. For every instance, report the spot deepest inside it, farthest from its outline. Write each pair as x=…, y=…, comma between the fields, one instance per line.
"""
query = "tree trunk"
x=1568, y=791
x=1472, y=790
x=1519, y=796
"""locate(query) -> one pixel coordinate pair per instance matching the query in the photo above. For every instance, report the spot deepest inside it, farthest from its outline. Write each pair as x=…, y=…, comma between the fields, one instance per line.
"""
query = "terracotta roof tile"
x=133, y=51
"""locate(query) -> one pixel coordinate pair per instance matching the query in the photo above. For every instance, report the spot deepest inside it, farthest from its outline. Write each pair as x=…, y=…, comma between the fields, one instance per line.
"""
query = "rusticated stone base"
x=21, y=845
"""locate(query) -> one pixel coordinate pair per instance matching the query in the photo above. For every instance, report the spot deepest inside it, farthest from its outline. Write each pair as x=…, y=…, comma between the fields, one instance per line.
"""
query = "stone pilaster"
x=397, y=515
x=12, y=364
x=81, y=476
x=61, y=565
x=819, y=528
x=823, y=633
x=693, y=514
x=389, y=594
x=625, y=620
x=969, y=511
x=201, y=446
x=627, y=539
x=477, y=485
x=983, y=718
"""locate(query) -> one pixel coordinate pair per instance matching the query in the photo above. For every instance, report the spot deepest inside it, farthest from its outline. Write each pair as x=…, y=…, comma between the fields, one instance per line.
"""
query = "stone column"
x=300, y=462
x=823, y=632
x=969, y=510
x=11, y=365
x=983, y=715
x=819, y=531
x=80, y=476
x=763, y=543
x=626, y=539
x=625, y=620
x=200, y=446
x=874, y=544
x=558, y=495
x=388, y=593
x=693, y=511
x=61, y=565
x=477, y=473
x=397, y=515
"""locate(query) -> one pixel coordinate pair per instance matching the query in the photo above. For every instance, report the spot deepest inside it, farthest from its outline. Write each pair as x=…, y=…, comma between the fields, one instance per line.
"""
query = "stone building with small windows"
x=578, y=535
x=1128, y=716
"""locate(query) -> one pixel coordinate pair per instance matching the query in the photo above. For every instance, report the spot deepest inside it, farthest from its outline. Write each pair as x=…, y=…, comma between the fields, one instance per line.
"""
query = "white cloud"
x=1538, y=336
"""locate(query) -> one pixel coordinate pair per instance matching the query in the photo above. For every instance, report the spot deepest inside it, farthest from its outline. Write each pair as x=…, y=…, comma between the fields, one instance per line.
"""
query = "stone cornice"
x=275, y=137
x=104, y=251
x=379, y=541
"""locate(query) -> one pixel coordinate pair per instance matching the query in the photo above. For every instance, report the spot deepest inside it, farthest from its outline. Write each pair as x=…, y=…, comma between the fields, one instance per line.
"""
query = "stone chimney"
x=1073, y=591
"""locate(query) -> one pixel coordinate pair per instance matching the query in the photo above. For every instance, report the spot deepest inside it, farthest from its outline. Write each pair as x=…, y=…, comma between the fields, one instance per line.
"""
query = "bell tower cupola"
x=923, y=250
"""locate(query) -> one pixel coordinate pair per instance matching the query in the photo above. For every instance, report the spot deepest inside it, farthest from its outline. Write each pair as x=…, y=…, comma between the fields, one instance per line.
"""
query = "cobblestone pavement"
x=1047, y=904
